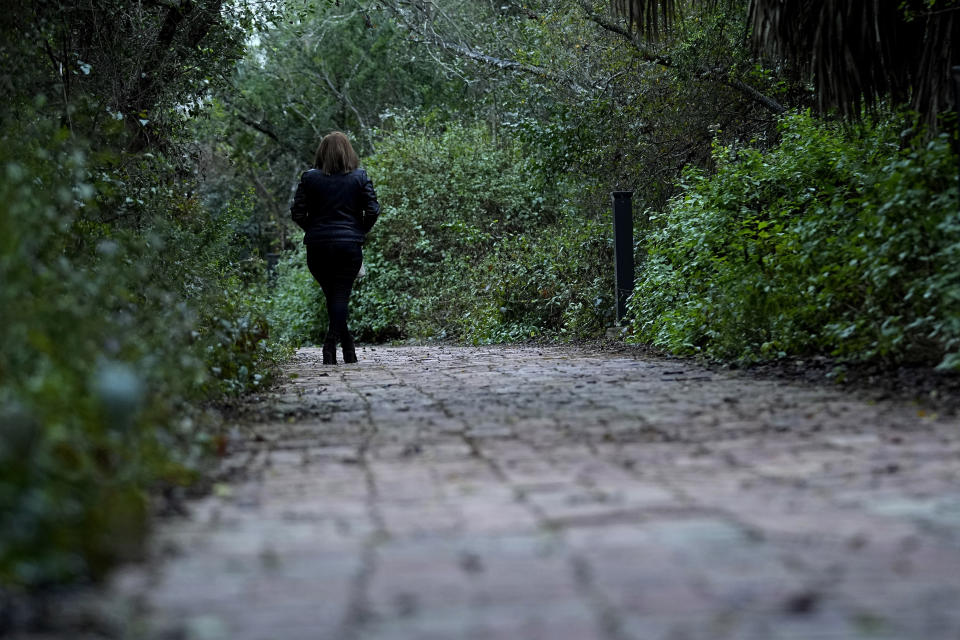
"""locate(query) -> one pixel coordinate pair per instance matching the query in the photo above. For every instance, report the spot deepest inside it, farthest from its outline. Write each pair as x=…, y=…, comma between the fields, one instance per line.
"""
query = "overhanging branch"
x=502, y=63
x=718, y=76
x=749, y=91
x=264, y=128
x=427, y=35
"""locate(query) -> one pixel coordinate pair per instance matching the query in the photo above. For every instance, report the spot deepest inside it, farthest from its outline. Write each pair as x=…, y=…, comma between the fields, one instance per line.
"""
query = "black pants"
x=335, y=265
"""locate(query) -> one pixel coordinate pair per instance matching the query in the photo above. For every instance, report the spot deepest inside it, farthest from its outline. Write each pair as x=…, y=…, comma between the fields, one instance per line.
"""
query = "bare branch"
x=263, y=127
x=749, y=91
x=345, y=101
x=305, y=118
x=500, y=63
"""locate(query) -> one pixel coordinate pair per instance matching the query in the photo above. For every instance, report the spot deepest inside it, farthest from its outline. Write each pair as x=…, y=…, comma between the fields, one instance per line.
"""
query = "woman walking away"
x=336, y=206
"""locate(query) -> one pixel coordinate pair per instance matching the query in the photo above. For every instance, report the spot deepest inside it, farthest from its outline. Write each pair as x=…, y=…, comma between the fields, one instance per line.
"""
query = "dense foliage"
x=468, y=248
x=126, y=303
x=786, y=238
x=147, y=155
x=591, y=107
x=836, y=240
x=496, y=221
x=322, y=68
x=855, y=53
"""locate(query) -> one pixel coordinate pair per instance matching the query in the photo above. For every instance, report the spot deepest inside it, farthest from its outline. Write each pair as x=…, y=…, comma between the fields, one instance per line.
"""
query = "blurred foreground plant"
x=114, y=336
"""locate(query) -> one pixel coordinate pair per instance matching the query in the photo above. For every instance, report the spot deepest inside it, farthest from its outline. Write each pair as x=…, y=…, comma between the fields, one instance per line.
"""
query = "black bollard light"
x=623, y=248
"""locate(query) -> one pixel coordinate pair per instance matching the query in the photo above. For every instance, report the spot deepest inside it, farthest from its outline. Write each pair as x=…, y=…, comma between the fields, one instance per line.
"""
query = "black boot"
x=330, y=354
x=349, y=353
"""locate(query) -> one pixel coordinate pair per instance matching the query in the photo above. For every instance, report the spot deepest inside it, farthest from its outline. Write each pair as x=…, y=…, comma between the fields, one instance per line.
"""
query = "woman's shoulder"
x=359, y=174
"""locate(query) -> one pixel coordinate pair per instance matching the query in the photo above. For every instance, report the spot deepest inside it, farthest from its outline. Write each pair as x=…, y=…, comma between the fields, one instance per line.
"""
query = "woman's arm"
x=371, y=208
x=298, y=210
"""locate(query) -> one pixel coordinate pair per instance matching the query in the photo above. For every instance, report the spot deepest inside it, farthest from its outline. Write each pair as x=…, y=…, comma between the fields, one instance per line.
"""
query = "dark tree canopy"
x=859, y=51
x=856, y=52
x=142, y=62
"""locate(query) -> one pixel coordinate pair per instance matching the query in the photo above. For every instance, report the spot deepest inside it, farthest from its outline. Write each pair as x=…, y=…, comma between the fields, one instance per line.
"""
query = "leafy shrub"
x=125, y=305
x=837, y=240
x=552, y=284
x=297, y=308
x=449, y=193
x=469, y=246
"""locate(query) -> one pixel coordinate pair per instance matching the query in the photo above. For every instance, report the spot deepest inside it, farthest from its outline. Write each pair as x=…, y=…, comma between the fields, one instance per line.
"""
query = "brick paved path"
x=555, y=494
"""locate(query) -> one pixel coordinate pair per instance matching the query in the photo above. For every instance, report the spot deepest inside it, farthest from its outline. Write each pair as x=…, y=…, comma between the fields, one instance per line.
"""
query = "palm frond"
x=649, y=17
x=859, y=51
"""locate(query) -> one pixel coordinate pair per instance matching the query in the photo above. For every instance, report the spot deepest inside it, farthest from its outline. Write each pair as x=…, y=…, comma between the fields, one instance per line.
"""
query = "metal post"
x=956, y=110
x=623, y=248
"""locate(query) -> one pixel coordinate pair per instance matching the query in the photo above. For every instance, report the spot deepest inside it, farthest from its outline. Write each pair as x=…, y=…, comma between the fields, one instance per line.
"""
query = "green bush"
x=837, y=240
x=469, y=247
x=449, y=194
x=125, y=305
x=472, y=247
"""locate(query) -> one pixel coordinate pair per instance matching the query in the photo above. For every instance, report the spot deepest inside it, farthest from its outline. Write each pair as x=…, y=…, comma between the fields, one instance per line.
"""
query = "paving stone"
x=529, y=493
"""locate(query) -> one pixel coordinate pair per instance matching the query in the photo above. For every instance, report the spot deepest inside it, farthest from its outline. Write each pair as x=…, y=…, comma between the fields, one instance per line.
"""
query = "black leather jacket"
x=335, y=207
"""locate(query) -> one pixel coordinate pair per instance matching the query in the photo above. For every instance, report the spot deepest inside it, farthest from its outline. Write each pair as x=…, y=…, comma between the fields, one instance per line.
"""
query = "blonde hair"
x=336, y=155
